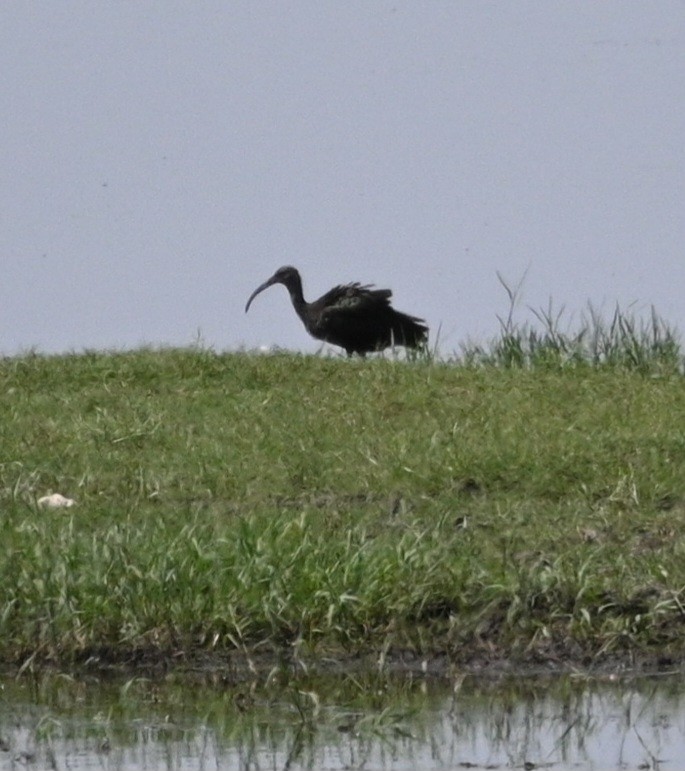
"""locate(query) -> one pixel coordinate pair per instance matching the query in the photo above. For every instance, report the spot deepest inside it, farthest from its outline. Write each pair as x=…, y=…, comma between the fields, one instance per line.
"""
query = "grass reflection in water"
x=368, y=721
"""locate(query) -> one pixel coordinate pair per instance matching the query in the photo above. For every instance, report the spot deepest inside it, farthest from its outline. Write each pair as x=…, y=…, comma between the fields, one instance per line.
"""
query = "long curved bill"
x=260, y=288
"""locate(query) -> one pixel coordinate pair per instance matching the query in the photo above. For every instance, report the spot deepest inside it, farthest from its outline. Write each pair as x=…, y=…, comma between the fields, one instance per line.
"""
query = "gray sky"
x=161, y=159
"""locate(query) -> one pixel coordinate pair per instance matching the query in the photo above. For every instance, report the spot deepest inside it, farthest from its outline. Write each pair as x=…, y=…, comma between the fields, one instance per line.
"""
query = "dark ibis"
x=356, y=317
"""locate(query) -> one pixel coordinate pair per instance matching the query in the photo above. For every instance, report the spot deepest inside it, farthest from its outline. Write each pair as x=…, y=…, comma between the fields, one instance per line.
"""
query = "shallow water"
x=63, y=722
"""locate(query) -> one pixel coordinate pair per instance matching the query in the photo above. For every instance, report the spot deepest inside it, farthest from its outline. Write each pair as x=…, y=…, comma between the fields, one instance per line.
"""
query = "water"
x=360, y=721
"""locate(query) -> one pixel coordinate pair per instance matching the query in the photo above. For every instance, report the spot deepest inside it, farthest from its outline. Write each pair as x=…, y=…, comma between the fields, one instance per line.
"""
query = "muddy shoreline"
x=241, y=666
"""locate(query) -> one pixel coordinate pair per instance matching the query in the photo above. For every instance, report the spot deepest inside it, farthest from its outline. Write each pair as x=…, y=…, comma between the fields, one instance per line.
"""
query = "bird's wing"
x=354, y=298
x=351, y=313
x=360, y=319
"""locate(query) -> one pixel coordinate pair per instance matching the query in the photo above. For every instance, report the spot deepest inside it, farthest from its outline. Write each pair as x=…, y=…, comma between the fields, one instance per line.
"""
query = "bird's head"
x=287, y=275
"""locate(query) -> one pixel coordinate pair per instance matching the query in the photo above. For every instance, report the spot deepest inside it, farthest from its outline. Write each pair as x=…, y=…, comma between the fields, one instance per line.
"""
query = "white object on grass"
x=55, y=501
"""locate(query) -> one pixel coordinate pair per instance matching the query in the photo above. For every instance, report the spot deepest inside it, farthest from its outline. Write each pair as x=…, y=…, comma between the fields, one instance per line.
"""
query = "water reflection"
x=340, y=723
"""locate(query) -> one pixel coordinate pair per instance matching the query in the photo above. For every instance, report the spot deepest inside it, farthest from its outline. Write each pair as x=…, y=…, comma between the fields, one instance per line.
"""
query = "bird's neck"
x=296, y=296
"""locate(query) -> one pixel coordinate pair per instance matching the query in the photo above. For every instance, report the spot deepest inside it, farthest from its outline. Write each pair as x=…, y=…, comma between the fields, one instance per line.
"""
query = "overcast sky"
x=159, y=160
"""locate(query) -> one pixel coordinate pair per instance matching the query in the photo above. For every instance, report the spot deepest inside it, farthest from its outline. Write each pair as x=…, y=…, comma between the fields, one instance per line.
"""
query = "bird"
x=353, y=316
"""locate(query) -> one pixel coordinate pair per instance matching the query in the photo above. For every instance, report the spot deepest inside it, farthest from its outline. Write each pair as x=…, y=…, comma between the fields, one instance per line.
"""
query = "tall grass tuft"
x=624, y=340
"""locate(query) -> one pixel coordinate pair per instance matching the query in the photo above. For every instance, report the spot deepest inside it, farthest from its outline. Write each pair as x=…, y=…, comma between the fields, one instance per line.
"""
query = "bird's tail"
x=409, y=331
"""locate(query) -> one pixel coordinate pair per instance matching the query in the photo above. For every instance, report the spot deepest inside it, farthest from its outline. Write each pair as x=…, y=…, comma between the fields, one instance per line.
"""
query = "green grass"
x=528, y=508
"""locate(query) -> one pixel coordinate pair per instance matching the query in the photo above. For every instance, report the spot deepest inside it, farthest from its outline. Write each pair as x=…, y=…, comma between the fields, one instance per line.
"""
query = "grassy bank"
x=316, y=504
